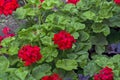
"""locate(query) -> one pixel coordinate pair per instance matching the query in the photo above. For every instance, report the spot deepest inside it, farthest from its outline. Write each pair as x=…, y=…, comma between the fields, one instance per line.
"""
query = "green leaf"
x=114, y=36
x=12, y=76
x=72, y=56
x=13, y=50
x=89, y=15
x=98, y=40
x=69, y=7
x=67, y=64
x=114, y=21
x=106, y=32
x=42, y=70
x=30, y=77
x=47, y=41
x=3, y=50
x=84, y=36
x=83, y=46
x=66, y=74
x=116, y=73
x=4, y=64
x=20, y=13
x=33, y=1
x=91, y=69
x=49, y=4
x=98, y=28
x=103, y=61
x=24, y=32
x=116, y=59
x=7, y=41
x=3, y=76
x=82, y=59
x=13, y=59
x=31, y=12
x=21, y=73
x=84, y=5
x=105, y=8
x=117, y=78
x=49, y=53
x=99, y=49
x=50, y=18
x=77, y=26
x=75, y=35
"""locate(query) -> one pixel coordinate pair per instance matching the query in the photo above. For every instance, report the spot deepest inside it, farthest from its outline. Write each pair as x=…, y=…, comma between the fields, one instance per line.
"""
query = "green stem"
x=40, y=19
x=63, y=54
x=39, y=43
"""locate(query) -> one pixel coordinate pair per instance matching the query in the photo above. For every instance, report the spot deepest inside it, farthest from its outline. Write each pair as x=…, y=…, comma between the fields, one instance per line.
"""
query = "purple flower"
x=82, y=77
x=113, y=48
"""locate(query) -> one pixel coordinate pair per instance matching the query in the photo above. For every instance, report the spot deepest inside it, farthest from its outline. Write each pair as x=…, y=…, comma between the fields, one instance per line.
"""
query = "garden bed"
x=59, y=40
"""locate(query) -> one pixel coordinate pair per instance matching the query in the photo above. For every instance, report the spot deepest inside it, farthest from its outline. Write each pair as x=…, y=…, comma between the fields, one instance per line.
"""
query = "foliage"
x=94, y=24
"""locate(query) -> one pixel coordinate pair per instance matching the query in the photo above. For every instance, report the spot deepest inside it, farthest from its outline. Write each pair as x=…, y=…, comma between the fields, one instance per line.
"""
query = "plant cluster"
x=61, y=40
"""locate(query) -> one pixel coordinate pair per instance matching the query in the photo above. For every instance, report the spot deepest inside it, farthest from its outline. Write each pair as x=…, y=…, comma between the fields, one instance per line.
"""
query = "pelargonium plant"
x=61, y=40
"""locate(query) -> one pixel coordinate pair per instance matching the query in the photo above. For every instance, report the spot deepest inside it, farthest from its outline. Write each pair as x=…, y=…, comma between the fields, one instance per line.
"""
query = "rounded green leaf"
x=67, y=64
x=4, y=64
x=89, y=15
x=41, y=70
x=21, y=73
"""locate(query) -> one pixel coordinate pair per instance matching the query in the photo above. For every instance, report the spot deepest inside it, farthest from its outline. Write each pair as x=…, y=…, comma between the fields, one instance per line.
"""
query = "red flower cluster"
x=64, y=40
x=8, y=6
x=117, y=2
x=73, y=1
x=6, y=32
x=52, y=77
x=104, y=74
x=29, y=54
x=41, y=1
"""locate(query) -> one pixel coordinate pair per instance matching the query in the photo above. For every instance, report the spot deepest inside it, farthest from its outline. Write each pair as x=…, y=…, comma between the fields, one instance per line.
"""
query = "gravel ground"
x=8, y=21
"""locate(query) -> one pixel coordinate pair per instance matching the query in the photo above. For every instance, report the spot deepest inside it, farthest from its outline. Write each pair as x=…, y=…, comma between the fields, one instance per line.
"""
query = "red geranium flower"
x=8, y=6
x=52, y=77
x=29, y=54
x=104, y=74
x=73, y=1
x=117, y=2
x=1, y=6
x=41, y=1
x=64, y=40
x=6, y=30
x=6, y=33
